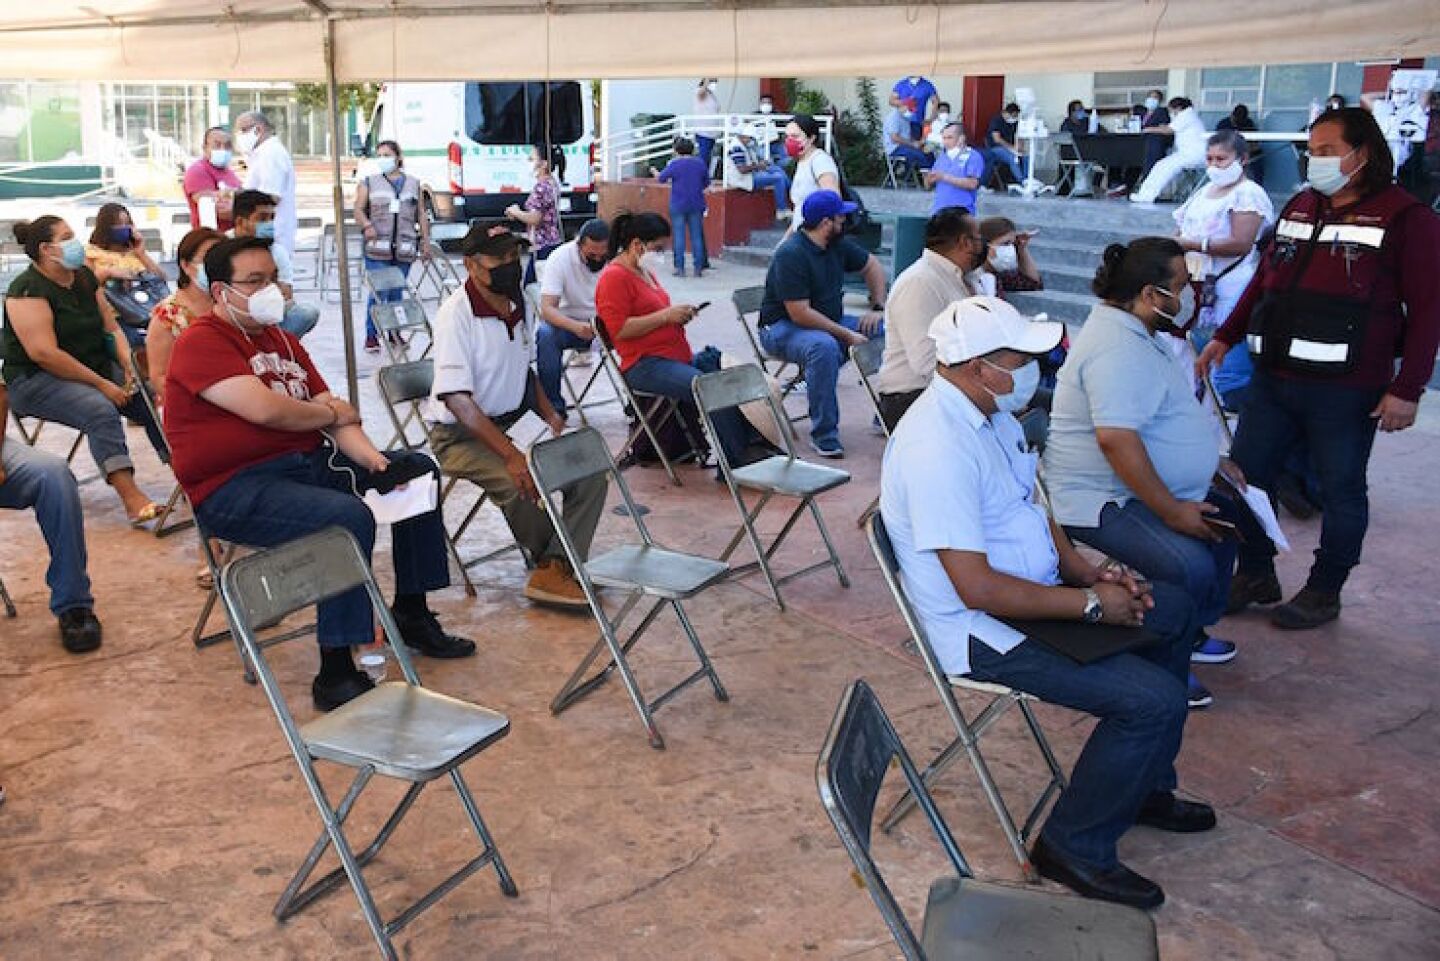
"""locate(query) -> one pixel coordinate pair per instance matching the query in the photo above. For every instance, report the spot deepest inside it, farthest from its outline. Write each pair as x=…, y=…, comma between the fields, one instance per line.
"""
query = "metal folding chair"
x=965, y=919
x=405, y=386
x=897, y=169
x=652, y=411
x=747, y=301
x=31, y=435
x=399, y=322
x=327, y=259
x=163, y=526
x=783, y=474
x=5, y=599
x=579, y=397
x=437, y=277
x=866, y=358
x=398, y=730
x=644, y=571
x=967, y=732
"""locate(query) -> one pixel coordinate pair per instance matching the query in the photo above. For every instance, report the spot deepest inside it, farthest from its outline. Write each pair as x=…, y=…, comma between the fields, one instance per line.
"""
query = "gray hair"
x=1232, y=141
x=258, y=117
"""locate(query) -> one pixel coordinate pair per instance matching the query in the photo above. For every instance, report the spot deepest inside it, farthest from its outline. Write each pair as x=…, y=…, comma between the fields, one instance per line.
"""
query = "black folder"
x=1084, y=643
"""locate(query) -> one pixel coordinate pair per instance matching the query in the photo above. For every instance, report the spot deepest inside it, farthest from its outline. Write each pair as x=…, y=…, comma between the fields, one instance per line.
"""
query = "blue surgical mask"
x=72, y=253
x=386, y=165
x=121, y=235
x=1326, y=176
x=265, y=230
x=1151, y=103
x=220, y=158
x=202, y=279
x=1025, y=378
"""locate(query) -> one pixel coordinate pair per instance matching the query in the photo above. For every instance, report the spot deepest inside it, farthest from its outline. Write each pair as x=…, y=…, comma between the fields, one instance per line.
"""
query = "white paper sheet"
x=528, y=430
x=417, y=497
x=1259, y=503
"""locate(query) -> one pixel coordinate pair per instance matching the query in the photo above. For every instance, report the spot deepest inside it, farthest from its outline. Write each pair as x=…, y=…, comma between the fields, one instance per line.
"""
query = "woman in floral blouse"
x=541, y=212
x=190, y=301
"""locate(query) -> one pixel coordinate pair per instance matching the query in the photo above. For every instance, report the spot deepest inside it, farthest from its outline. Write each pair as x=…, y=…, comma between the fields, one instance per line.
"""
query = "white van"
x=469, y=143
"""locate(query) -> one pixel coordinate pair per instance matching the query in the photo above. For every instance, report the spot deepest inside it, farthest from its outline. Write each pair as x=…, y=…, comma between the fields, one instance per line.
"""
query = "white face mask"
x=1183, y=313
x=1004, y=258
x=247, y=140
x=1226, y=176
x=1327, y=177
x=266, y=306
x=653, y=260
x=954, y=152
x=766, y=107
x=941, y=118
x=1025, y=378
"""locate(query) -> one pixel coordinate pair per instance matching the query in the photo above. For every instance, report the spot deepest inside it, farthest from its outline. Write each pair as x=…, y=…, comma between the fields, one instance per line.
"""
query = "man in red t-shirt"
x=211, y=176
x=266, y=454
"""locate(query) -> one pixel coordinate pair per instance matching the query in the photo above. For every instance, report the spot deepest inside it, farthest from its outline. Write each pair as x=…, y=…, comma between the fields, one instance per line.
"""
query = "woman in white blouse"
x=814, y=168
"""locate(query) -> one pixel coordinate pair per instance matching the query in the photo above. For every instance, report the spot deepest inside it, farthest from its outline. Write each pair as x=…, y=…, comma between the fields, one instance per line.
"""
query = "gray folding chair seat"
x=783, y=474
x=398, y=730
x=967, y=732
x=642, y=571
x=163, y=527
x=966, y=919
x=404, y=386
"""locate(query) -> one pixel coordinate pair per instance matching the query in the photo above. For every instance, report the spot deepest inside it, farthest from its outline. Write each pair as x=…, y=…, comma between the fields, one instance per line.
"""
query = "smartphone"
x=700, y=307
x=1224, y=528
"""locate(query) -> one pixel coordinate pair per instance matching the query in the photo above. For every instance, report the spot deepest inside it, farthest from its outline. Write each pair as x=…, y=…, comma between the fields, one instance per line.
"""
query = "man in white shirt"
x=707, y=105
x=1188, y=152
x=953, y=248
x=567, y=305
x=957, y=496
x=269, y=168
x=483, y=387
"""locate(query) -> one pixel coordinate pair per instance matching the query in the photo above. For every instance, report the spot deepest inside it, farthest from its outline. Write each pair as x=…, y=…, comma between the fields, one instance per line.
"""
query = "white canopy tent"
x=359, y=40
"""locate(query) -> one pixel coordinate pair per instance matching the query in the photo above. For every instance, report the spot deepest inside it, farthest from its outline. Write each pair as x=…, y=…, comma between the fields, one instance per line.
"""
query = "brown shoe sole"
x=560, y=601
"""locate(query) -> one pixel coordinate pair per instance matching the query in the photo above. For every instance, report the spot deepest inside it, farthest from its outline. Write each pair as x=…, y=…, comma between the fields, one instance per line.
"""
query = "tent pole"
x=342, y=247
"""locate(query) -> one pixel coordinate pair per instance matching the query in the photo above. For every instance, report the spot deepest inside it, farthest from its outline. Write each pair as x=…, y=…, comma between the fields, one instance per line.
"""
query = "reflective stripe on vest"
x=1332, y=233
x=1319, y=352
x=1294, y=230
x=1256, y=343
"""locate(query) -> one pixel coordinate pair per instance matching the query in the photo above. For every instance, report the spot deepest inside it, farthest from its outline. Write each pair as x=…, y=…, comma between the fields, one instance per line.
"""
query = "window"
x=1224, y=88
x=515, y=113
x=1126, y=88
x=1296, y=85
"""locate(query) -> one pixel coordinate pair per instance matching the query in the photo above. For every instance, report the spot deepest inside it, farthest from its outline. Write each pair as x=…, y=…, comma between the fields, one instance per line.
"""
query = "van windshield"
x=515, y=113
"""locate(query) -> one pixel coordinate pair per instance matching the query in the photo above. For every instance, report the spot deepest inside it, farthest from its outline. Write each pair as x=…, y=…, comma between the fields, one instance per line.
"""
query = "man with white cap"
x=957, y=497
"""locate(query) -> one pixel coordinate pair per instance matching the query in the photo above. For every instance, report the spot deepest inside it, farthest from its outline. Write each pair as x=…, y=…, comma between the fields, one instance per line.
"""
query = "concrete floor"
x=154, y=811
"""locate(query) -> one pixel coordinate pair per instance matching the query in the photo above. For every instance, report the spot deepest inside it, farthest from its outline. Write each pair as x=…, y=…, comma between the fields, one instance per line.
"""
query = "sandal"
x=147, y=514
x=204, y=579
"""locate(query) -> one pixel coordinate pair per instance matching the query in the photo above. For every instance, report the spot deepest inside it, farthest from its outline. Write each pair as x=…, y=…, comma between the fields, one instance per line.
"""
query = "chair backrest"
x=558, y=462
x=866, y=358
x=732, y=387
x=851, y=769
x=747, y=300
x=407, y=382
x=383, y=279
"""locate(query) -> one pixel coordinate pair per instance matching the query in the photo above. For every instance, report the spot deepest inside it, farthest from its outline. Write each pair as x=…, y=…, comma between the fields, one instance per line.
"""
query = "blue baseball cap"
x=825, y=203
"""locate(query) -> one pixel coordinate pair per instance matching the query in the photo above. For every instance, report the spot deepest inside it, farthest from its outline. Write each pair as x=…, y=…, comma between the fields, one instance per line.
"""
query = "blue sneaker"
x=1198, y=696
x=827, y=448
x=1212, y=650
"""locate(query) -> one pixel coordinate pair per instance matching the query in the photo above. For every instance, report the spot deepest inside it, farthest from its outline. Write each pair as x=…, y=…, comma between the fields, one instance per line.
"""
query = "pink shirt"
x=201, y=176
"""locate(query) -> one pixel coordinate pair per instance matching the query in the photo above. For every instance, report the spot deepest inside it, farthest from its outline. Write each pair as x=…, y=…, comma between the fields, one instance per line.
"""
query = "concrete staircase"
x=1073, y=233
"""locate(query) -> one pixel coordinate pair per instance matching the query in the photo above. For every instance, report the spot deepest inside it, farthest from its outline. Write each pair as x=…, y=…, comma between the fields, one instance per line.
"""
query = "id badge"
x=395, y=205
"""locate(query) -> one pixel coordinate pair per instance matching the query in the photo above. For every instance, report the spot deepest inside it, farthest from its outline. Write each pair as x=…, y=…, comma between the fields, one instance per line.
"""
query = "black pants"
x=894, y=406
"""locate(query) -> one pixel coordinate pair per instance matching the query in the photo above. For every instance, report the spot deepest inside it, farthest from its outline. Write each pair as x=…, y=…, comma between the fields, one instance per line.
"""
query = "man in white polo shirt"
x=957, y=496
x=483, y=386
x=567, y=304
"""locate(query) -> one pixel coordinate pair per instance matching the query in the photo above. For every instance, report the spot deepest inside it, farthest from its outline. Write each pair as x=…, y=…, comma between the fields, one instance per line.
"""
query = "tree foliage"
x=352, y=95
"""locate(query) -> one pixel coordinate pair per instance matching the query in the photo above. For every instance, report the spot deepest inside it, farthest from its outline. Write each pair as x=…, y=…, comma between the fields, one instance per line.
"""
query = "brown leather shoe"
x=1306, y=610
x=552, y=583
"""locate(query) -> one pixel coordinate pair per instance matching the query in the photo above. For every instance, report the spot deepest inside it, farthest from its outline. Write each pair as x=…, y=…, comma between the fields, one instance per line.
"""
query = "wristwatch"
x=878, y=308
x=1094, y=610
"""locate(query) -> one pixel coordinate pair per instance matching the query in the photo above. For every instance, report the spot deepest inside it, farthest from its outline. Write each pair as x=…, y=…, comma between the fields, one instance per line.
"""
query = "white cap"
x=975, y=326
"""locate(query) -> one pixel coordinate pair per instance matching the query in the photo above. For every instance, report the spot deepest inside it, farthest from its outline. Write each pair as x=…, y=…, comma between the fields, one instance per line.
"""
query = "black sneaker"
x=80, y=631
x=1247, y=589
x=330, y=692
x=1308, y=609
x=423, y=635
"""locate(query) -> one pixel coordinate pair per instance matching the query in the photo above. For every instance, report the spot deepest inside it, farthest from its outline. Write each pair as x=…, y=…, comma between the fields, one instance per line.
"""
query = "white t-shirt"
x=271, y=170
x=479, y=356
x=807, y=179
x=1190, y=134
x=566, y=276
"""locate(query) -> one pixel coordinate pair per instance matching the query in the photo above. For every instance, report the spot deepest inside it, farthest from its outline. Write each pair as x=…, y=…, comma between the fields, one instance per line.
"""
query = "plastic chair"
x=644, y=571
x=967, y=732
x=965, y=919
x=398, y=730
x=783, y=474
x=407, y=385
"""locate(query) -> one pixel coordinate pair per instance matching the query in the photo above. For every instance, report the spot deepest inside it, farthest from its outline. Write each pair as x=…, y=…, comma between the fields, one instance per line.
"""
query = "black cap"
x=491, y=238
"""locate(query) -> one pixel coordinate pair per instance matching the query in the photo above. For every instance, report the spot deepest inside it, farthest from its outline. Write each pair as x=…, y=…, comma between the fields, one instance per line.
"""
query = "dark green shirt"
x=79, y=328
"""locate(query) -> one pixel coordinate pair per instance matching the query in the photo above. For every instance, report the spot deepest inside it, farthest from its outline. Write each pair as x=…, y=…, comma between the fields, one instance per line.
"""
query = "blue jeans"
x=693, y=225
x=820, y=356
x=386, y=296
x=917, y=159
x=551, y=342
x=1137, y=538
x=705, y=147
x=1334, y=424
x=1005, y=156
x=661, y=375
x=36, y=479
x=300, y=318
x=287, y=497
x=1139, y=697
x=775, y=179
x=90, y=412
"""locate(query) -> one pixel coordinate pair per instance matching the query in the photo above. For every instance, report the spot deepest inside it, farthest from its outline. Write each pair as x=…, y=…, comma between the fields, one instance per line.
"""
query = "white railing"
x=634, y=151
x=166, y=154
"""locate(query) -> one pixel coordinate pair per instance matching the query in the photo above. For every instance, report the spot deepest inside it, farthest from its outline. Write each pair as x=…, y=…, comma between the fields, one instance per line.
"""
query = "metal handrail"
x=636, y=145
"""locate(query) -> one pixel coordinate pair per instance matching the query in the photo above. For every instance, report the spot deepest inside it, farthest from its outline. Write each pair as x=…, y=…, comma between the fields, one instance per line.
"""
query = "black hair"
x=220, y=261
x=247, y=202
x=205, y=137
x=1180, y=103
x=684, y=147
x=644, y=227
x=1011, y=107
x=1070, y=107
x=1125, y=270
x=399, y=154
x=189, y=245
x=808, y=125
x=1337, y=96
x=947, y=227
x=106, y=219
x=1231, y=140
x=1359, y=129
x=1240, y=112
x=594, y=229
x=31, y=234
x=1157, y=92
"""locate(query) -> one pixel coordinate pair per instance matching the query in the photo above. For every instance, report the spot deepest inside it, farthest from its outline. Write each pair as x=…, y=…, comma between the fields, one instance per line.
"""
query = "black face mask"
x=595, y=265
x=505, y=279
